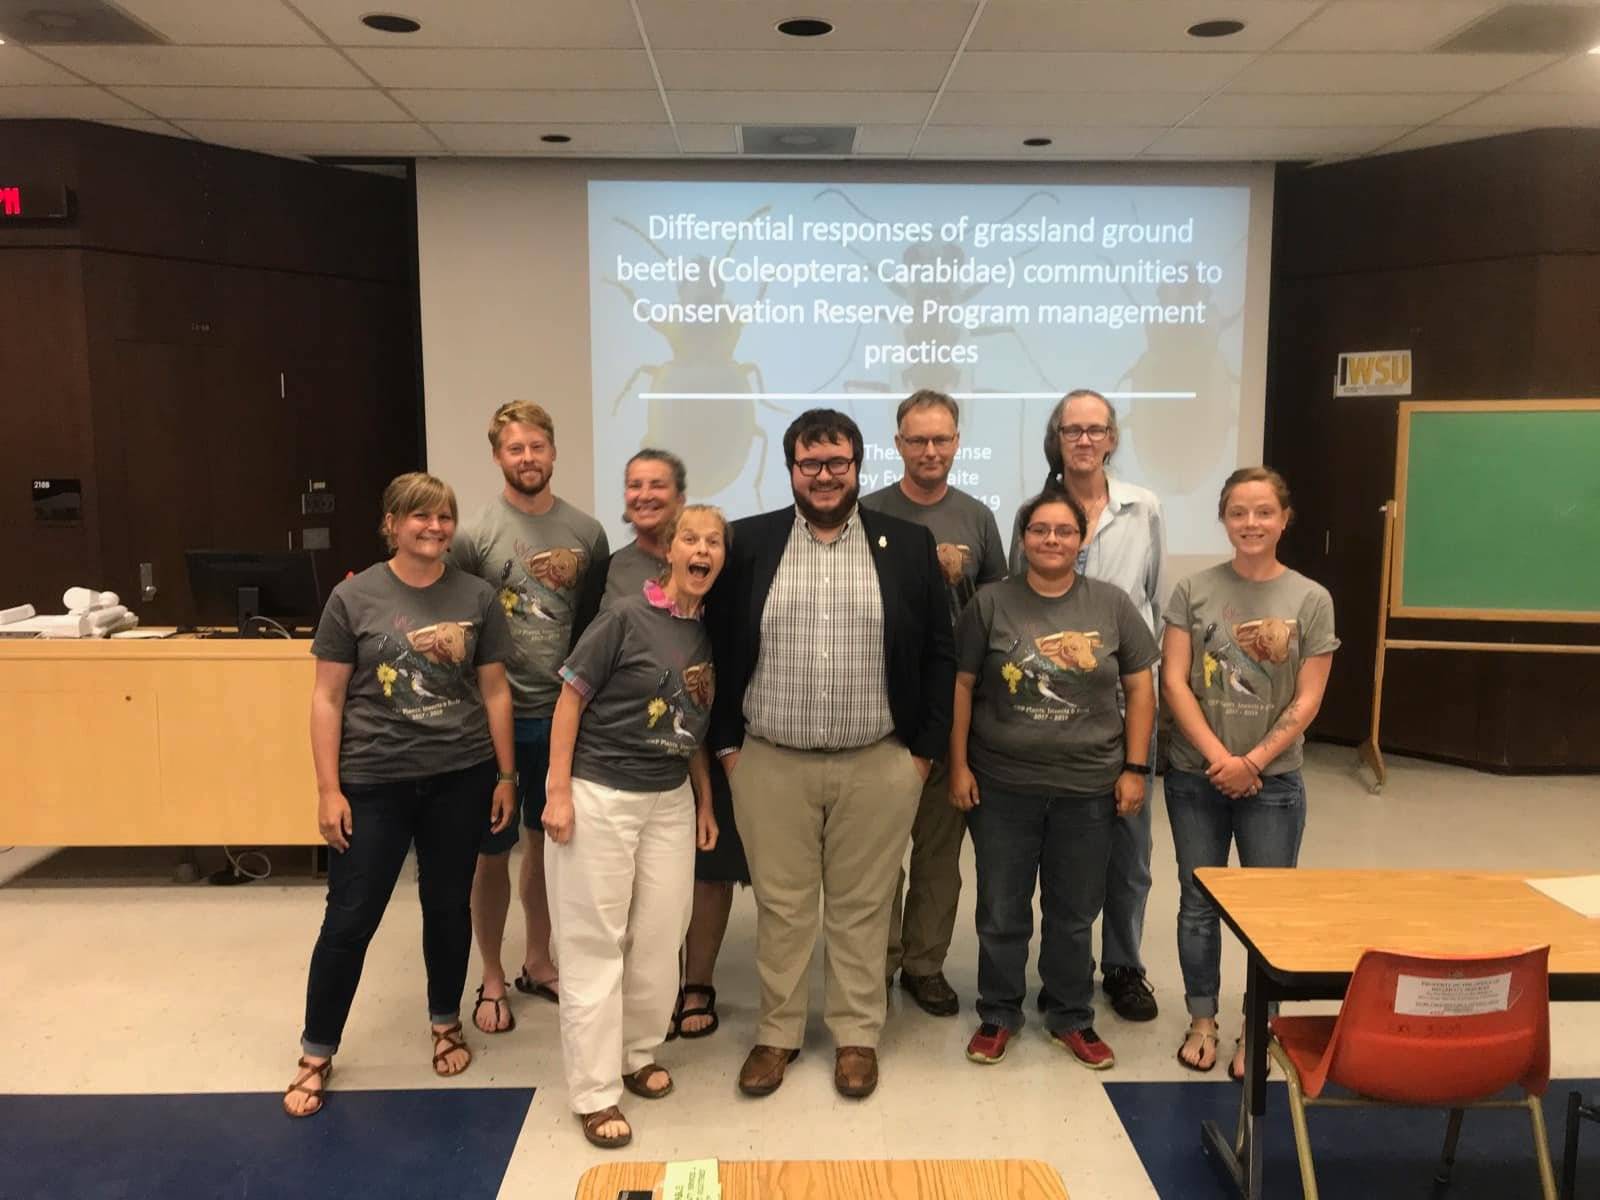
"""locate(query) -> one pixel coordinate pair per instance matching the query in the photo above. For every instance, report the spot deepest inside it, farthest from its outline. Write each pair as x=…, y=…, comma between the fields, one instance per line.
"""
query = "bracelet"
x=507, y=777
x=1137, y=768
x=1251, y=763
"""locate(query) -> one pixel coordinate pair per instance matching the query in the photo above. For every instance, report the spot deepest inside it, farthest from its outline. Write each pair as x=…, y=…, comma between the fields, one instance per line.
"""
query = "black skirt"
x=726, y=863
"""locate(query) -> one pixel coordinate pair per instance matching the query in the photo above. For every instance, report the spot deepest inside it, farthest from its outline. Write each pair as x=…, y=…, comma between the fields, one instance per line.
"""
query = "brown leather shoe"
x=762, y=1073
x=855, y=1071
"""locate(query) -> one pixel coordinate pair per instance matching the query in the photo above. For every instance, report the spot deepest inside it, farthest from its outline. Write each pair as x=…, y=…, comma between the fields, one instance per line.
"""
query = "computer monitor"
x=250, y=590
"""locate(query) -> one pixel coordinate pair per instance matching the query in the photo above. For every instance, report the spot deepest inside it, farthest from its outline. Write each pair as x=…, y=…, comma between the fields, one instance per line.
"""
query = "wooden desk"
x=1303, y=932
x=185, y=742
x=888, y=1179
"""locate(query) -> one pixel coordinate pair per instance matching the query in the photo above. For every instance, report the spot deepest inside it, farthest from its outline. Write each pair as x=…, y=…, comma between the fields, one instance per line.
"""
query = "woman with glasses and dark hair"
x=1245, y=659
x=1043, y=762
x=1125, y=544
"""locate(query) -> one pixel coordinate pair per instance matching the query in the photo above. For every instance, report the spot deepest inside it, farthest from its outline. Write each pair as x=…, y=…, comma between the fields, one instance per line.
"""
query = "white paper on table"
x=693, y=1180
x=1580, y=893
x=1431, y=996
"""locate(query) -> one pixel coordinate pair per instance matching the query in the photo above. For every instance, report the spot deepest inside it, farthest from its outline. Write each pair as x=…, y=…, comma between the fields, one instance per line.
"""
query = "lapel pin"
x=882, y=541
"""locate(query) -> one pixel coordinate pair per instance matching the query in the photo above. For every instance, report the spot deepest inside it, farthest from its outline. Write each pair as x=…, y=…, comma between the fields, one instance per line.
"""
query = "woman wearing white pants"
x=623, y=824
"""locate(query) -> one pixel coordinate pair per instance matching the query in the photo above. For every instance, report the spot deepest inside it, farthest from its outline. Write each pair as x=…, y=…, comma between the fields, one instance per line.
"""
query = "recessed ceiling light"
x=797, y=139
x=390, y=23
x=1037, y=141
x=555, y=139
x=1215, y=29
x=1594, y=49
x=805, y=27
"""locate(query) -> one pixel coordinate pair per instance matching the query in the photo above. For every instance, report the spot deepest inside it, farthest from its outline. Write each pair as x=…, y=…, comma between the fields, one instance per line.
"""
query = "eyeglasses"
x=812, y=467
x=1096, y=433
x=943, y=442
x=1064, y=533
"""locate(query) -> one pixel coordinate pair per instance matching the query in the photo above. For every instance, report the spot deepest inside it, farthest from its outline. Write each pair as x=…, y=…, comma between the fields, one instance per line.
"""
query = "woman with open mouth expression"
x=622, y=823
x=1245, y=659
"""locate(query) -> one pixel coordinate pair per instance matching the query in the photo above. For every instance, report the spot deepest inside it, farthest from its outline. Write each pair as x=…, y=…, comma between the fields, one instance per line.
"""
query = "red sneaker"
x=1085, y=1046
x=988, y=1044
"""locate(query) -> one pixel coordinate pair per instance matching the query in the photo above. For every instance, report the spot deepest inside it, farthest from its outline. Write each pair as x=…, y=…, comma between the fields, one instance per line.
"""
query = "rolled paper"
x=20, y=613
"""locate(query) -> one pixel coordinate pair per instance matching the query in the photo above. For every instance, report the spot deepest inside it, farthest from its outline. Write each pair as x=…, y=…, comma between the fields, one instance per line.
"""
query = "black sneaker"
x=1131, y=996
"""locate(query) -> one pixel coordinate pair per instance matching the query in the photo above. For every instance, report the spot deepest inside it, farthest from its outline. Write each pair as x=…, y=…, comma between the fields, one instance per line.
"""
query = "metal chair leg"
x=1447, y=1157
x=1541, y=1148
x=1569, y=1153
x=1297, y=1117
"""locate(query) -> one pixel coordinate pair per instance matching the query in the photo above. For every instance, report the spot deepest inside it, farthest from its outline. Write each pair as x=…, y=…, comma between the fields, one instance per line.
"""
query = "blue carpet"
x=439, y=1142
x=1373, y=1154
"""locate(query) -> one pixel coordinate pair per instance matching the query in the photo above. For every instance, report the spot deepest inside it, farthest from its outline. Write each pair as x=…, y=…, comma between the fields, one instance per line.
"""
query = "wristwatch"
x=506, y=777
x=1137, y=768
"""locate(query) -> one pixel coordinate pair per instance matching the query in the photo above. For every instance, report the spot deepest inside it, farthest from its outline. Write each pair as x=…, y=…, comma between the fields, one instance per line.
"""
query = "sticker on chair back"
x=1428, y=996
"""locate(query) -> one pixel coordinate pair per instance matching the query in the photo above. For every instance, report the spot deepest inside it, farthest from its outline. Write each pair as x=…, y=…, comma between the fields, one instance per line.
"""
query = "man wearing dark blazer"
x=835, y=675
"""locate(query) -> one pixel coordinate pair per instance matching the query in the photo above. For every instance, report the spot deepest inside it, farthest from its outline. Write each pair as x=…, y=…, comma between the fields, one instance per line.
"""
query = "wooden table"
x=179, y=742
x=888, y=1179
x=1303, y=932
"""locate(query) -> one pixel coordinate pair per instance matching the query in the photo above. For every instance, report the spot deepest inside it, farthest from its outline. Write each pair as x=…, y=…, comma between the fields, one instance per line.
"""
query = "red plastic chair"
x=1426, y=1031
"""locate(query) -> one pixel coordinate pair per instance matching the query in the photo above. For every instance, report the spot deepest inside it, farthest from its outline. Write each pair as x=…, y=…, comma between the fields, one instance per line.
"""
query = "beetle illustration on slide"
x=715, y=437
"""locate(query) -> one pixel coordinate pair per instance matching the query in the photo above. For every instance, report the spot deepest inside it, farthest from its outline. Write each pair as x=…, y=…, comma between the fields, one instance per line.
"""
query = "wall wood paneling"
x=1482, y=258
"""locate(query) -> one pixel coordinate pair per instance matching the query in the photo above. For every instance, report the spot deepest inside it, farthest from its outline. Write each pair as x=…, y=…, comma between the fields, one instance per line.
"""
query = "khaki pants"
x=620, y=893
x=831, y=826
x=920, y=938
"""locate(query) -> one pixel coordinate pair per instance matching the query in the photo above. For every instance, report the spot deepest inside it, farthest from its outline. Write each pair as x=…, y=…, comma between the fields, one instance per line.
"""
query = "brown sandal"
x=452, y=1042
x=307, y=1071
x=593, y=1121
x=636, y=1084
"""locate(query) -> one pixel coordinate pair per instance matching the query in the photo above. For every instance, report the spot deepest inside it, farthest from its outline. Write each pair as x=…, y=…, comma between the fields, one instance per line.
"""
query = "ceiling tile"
x=209, y=66
x=802, y=108
x=1440, y=135
x=473, y=138
x=578, y=70
x=147, y=125
x=1334, y=73
x=333, y=137
x=80, y=103
x=266, y=104
x=1088, y=25
x=885, y=140
x=1267, y=144
x=1385, y=25
x=1312, y=112
x=749, y=25
x=963, y=141
x=1527, y=110
x=218, y=23
x=589, y=24
x=1581, y=73
x=474, y=106
x=798, y=70
x=709, y=139
x=1122, y=110
x=18, y=66
x=1001, y=71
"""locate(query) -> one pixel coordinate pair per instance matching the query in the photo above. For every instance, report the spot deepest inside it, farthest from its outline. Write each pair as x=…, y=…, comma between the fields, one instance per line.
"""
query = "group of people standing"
x=789, y=701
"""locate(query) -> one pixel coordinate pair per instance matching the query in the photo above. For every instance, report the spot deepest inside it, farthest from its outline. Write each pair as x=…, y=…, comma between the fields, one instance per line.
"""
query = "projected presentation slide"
x=720, y=311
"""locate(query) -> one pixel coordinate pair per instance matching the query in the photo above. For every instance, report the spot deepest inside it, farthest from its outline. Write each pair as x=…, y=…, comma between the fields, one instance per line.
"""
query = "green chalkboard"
x=1499, y=513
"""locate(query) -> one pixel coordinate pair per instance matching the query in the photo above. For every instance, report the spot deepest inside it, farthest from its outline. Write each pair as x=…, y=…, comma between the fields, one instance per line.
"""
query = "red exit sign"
x=27, y=202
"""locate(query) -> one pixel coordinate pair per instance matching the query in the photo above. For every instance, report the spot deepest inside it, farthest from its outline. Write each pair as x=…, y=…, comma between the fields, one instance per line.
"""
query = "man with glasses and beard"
x=832, y=641
x=548, y=563
x=971, y=554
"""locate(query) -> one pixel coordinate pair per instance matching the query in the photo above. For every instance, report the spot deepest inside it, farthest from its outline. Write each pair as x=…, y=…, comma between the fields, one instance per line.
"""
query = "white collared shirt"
x=1127, y=547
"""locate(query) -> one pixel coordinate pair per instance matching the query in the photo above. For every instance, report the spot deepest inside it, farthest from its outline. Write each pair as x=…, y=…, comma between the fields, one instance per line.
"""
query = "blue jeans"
x=444, y=816
x=1062, y=841
x=1128, y=884
x=1267, y=826
x=532, y=738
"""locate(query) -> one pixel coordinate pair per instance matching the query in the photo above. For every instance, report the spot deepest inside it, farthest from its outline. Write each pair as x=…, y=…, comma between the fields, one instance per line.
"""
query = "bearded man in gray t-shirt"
x=970, y=554
x=547, y=562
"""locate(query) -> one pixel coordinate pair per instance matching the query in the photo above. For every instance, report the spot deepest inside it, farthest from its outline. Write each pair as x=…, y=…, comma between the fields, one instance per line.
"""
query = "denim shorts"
x=533, y=763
